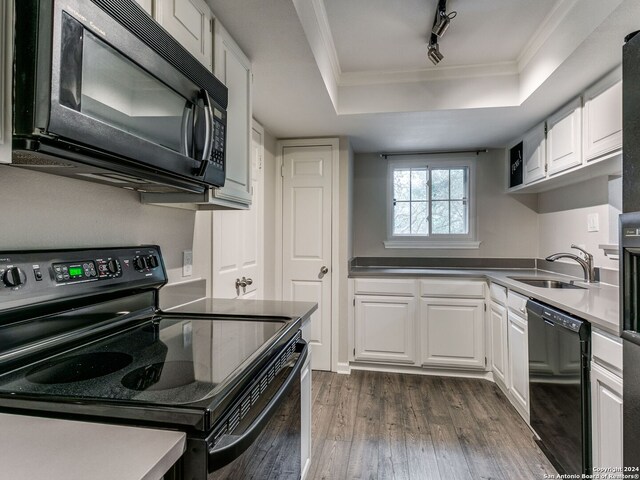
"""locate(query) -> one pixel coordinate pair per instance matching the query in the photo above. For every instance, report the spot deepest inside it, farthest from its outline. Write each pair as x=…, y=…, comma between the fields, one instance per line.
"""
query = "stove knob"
x=152, y=261
x=14, y=277
x=112, y=266
x=139, y=263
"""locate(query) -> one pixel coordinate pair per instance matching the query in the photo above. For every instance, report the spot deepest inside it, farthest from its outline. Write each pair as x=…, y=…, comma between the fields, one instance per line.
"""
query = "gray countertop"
x=597, y=303
x=34, y=447
x=261, y=308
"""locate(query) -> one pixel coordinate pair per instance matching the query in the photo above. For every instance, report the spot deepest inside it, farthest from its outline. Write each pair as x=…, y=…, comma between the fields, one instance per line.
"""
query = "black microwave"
x=103, y=93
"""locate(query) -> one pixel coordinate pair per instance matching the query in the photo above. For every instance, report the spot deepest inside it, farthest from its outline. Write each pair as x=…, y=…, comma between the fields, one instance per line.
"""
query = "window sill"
x=434, y=244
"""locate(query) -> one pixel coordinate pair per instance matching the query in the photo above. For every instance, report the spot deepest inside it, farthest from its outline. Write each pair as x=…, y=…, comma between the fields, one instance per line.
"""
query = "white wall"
x=46, y=211
x=270, y=172
x=507, y=225
x=563, y=217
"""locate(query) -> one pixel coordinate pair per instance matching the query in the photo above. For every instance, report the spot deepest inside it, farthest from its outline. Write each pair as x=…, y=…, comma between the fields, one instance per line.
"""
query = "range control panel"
x=73, y=272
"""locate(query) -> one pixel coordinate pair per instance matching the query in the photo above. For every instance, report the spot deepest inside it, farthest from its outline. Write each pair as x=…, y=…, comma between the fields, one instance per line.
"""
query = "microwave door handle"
x=187, y=121
x=208, y=133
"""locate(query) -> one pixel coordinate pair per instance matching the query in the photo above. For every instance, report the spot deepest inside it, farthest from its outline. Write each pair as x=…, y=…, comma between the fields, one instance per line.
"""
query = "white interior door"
x=306, y=241
x=238, y=238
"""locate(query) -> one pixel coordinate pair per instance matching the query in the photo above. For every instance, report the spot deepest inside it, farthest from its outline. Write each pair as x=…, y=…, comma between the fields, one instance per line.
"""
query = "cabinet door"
x=147, y=5
x=518, y=377
x=499, y=347
x=534, y=154
x=564, y=138
x=6, y=57
x=233, y=68
x=602, y=115
x=606, y=418
x=452, y=332
x=189, y=22
x=305, y=420
x=384, y=328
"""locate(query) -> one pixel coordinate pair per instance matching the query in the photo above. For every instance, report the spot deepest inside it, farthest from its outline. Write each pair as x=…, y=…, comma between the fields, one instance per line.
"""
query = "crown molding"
x=327, y=38
x=549, y=25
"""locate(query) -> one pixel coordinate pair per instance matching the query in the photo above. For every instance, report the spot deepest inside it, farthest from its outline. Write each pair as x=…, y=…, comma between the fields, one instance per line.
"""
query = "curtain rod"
x=477, y=151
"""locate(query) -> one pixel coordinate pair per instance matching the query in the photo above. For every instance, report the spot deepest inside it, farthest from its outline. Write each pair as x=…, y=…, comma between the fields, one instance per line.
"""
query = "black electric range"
x=81, y=336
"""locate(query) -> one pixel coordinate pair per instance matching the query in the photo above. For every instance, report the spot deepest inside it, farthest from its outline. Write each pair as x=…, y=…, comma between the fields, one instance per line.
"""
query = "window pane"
x=440, y=184
x=401, y=219
x=458, y=183
x=401, y=184
x=419, y=218
x=418, y=184
x=459, y=217
x=440, y=217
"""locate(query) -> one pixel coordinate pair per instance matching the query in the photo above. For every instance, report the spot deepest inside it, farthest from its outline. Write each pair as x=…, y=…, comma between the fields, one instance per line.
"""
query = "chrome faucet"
x=586, y=263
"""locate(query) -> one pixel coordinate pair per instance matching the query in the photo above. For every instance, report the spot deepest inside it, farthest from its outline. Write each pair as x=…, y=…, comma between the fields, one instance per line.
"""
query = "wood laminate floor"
x=387, y=426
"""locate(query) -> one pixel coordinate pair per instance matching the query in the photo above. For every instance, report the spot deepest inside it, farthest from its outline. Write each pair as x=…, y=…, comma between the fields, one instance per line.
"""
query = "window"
x=430, y=203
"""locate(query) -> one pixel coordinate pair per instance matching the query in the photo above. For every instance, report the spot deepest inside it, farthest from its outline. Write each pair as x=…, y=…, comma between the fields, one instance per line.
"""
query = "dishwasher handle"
x=219, y=457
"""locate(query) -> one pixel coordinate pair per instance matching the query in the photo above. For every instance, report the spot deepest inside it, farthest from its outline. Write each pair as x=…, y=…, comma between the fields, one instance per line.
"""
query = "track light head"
x=442, y=24
x=433, y=53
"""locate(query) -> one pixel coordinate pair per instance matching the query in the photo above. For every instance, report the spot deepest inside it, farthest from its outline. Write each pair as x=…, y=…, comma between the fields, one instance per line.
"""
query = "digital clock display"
x=76, y=271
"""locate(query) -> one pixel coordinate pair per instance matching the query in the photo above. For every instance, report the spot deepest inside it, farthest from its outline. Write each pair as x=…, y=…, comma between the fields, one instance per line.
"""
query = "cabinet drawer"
x=517, y=303
x=607, y=351
x=383, y=286
x=452, y=288
x=498, y=293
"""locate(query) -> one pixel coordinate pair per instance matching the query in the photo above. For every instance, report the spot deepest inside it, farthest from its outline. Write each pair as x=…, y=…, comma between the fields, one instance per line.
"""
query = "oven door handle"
x=220, y=457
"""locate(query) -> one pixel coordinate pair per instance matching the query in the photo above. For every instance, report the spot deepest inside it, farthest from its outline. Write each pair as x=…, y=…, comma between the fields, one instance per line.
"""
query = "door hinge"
x=546, y=129
x=354, y=352
x=485, y=307
x=485, y=361
x=354, y=302
x=282, y=169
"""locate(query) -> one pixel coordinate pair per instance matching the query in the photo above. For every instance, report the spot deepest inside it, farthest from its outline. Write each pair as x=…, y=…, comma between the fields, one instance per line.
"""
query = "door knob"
x=241, y=283
x=324, y=270
x=249, y=281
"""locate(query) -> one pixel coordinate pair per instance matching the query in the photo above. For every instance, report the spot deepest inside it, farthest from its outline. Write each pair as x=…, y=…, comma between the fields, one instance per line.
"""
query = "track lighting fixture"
x=440, y=25
x=433, y=51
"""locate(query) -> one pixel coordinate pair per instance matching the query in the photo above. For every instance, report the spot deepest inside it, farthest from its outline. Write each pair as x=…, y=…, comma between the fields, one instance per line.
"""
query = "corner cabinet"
x=233, y=68
x=499, y=346
x=518, y=377
x=564, y=138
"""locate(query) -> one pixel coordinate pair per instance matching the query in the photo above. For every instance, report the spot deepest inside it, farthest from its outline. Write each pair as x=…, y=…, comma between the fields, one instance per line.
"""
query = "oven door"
x=112, y=92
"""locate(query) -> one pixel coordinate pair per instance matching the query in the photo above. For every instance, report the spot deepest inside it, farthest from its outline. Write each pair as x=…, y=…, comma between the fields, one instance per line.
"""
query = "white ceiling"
x=358, y=67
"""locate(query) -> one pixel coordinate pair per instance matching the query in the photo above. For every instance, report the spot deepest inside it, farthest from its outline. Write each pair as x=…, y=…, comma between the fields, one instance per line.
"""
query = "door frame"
x=334, y=143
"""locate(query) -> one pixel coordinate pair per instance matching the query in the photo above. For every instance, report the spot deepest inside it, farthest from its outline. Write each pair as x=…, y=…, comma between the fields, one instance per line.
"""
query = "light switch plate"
x=187, y=263
x=593, y=222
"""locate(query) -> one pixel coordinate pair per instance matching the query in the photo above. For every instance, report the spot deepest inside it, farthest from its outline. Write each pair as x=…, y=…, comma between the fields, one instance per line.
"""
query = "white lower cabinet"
x=499, y=345
x=385, y=328
x=518, y=376
x=606, y=418
x=452, y=332
x=305, y=420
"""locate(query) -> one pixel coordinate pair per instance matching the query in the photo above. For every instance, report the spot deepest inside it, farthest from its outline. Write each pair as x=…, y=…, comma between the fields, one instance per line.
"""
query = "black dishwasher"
x=559, y=356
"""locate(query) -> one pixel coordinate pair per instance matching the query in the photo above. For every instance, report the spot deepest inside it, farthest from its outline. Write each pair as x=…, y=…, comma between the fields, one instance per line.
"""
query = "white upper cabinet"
x=189, y=22
x=233, y=68
x=534, y=154
x=564, y=138
x=147, y=5
x=602, y=115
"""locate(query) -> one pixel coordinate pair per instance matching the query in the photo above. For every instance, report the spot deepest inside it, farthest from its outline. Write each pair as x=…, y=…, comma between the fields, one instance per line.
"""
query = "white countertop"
x=45, y=448
x=598, y=303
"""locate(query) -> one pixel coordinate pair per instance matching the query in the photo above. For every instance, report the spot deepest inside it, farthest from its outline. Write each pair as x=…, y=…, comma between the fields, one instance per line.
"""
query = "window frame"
x=435, y=240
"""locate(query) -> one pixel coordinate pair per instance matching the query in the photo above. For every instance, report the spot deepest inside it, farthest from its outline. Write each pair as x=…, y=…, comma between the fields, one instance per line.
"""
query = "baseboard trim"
x=343, y=368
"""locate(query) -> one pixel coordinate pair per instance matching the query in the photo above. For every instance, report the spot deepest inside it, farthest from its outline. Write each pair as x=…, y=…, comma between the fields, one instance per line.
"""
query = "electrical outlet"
x=187, y=263
x=593, y=223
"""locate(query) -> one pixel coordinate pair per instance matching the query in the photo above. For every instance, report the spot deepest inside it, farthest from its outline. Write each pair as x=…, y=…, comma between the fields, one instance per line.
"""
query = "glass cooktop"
x=165, y=362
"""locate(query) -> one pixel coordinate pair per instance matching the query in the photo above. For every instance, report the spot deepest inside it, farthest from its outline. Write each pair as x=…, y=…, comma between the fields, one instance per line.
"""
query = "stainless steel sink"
x=540, y=282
